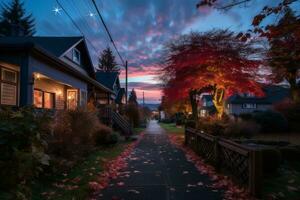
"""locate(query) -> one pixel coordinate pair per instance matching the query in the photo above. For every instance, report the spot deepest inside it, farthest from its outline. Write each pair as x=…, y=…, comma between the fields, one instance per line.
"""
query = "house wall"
x=238, y=109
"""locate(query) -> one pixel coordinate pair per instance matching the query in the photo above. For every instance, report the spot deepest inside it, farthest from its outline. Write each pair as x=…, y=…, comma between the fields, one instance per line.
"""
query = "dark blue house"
x=47, y=72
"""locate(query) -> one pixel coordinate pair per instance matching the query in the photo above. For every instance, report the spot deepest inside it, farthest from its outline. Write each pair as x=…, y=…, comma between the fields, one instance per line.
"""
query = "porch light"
x=59, y=92
x=38, y=76
x=70, y=97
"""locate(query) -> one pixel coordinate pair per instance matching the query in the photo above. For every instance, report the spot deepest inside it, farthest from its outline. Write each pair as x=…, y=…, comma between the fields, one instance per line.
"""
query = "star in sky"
x=91, y=14
x=57, y=10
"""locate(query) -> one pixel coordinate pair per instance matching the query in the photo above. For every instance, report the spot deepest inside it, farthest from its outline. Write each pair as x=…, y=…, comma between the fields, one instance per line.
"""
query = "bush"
x=291, y=112
x=113, y=138
x=133, y=114
x=242, y=129
x=102, y=135
x=289, y=153
x=22, y=149
x=271, y=121
x=212, y=126
x=191, y=124
x=73, y=133
x=271, y=160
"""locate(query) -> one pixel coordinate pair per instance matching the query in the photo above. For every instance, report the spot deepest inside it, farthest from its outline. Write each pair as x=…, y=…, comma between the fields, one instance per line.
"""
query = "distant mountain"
x=152, y=106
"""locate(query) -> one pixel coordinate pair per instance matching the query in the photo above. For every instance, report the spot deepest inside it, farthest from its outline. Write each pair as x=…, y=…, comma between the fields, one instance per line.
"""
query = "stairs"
x=121, y=123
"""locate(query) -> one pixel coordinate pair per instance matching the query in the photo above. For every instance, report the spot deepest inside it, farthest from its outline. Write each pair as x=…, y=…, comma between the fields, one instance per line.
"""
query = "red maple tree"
x=215, y=61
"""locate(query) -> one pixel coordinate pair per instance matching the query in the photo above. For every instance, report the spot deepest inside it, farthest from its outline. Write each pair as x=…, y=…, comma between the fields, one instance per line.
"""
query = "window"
x=48, y=100
x=249, y=105
x=72, y=99
x=76, y=56
x=44, y=99
x=9, y=87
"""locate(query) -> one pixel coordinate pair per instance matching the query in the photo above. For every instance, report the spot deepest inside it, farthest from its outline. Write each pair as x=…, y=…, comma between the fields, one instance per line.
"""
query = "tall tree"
x=132, y=97
x=283, y=37
x=107, y=61
x=284, y=53
x=14, y=21
x=215, y=61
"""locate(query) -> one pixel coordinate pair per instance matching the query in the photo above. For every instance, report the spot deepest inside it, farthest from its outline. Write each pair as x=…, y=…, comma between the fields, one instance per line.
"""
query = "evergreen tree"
x=107, y=61
x=132, y=98
x=14, y=21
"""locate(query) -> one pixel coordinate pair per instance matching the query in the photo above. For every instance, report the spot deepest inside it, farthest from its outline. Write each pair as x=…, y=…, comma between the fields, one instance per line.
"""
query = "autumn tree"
x=14, y=21
x=284, y=52
x=107, y=61
x=215, y=61
x=283, y=37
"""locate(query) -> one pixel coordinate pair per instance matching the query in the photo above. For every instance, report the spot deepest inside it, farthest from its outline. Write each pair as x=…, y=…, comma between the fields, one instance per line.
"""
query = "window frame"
x=15, y=83
x=43, y=98
x=74, y=51
x=253, y=106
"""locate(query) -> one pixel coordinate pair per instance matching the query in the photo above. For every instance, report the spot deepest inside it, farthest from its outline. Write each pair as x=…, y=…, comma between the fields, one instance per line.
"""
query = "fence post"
x=185, y=137
x=255, y=172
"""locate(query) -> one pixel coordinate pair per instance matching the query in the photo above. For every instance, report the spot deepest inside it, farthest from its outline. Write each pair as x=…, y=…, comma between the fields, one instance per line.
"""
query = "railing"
x=242, y=162
x=111, y=118
x=122, y=123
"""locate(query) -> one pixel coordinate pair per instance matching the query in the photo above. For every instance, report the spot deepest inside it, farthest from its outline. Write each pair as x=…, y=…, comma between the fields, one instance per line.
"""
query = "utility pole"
x=143, y=99
x=126, y=81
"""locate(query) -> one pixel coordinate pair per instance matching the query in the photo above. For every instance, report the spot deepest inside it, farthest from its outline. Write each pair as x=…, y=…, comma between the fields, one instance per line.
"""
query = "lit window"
x=76, y=56
x=38, y=99
x=249, y=105
x=48, y=100
x=43, y=99
x=72, y=97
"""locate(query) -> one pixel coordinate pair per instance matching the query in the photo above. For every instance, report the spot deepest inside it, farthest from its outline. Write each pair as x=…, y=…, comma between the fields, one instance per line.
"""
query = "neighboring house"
x=206, y=106
x=111, y=80
x=238, y=104
x=47, y=72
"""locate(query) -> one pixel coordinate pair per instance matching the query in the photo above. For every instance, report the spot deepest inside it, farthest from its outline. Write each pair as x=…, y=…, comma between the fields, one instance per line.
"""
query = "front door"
x=72, y=99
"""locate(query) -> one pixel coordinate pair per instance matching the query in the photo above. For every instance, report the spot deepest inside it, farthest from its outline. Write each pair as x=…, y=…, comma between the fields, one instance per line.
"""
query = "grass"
x=79, y=177
x=138, y=130
x=172, y=128
x=286, y=184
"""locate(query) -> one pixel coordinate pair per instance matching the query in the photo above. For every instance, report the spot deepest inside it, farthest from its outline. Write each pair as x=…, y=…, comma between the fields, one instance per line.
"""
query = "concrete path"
x=157, y=170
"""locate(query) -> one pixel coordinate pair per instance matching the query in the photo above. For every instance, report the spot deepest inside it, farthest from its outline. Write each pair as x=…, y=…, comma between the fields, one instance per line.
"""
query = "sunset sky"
x=139, y=27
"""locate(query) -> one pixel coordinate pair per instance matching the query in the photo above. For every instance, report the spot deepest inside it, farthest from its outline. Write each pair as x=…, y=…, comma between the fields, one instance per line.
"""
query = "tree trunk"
x=193, y=102
x=218, y=100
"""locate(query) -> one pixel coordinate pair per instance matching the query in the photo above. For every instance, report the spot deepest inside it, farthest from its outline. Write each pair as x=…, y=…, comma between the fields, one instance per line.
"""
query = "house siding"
x=238, y=109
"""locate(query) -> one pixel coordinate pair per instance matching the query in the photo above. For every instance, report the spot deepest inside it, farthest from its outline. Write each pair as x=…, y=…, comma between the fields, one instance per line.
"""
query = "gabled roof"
x=57, y=46
x=51, y=48
x=120, y=95
x=108, y=79
x=273, y=94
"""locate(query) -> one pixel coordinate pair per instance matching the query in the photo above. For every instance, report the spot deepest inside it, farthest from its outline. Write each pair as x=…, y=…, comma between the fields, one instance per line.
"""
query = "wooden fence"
x=242, y=162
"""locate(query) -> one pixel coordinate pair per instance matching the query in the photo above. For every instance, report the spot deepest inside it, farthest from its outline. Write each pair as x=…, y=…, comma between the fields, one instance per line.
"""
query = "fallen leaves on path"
x=112, y=168
x=220, y=182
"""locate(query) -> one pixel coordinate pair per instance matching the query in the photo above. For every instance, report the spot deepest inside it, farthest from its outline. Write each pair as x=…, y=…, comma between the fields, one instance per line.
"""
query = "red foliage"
x=216, y=58
x=220, y=182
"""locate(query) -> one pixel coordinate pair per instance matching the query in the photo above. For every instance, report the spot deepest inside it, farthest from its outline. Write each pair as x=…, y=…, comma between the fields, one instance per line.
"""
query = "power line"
x=108, y=32
x=74, y=23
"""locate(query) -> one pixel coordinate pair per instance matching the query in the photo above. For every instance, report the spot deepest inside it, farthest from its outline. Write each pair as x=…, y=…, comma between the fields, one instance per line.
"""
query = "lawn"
x=74, y=185
x=286, y=184
x=172, y=128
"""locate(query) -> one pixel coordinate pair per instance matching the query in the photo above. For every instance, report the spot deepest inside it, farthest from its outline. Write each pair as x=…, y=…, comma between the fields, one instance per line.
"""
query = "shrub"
x=73, y=133
x=271, y=121
x=22, y=149
x=113, y=138
x=271, y=160
x=291, y=112
x=290, y=153
x=212, y=126
x=133, y=114
x=242, y=129
x=191, y=124
x=102, y=134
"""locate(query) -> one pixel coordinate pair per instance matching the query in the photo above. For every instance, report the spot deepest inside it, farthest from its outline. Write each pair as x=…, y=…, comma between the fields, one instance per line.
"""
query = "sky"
x=140, y=28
